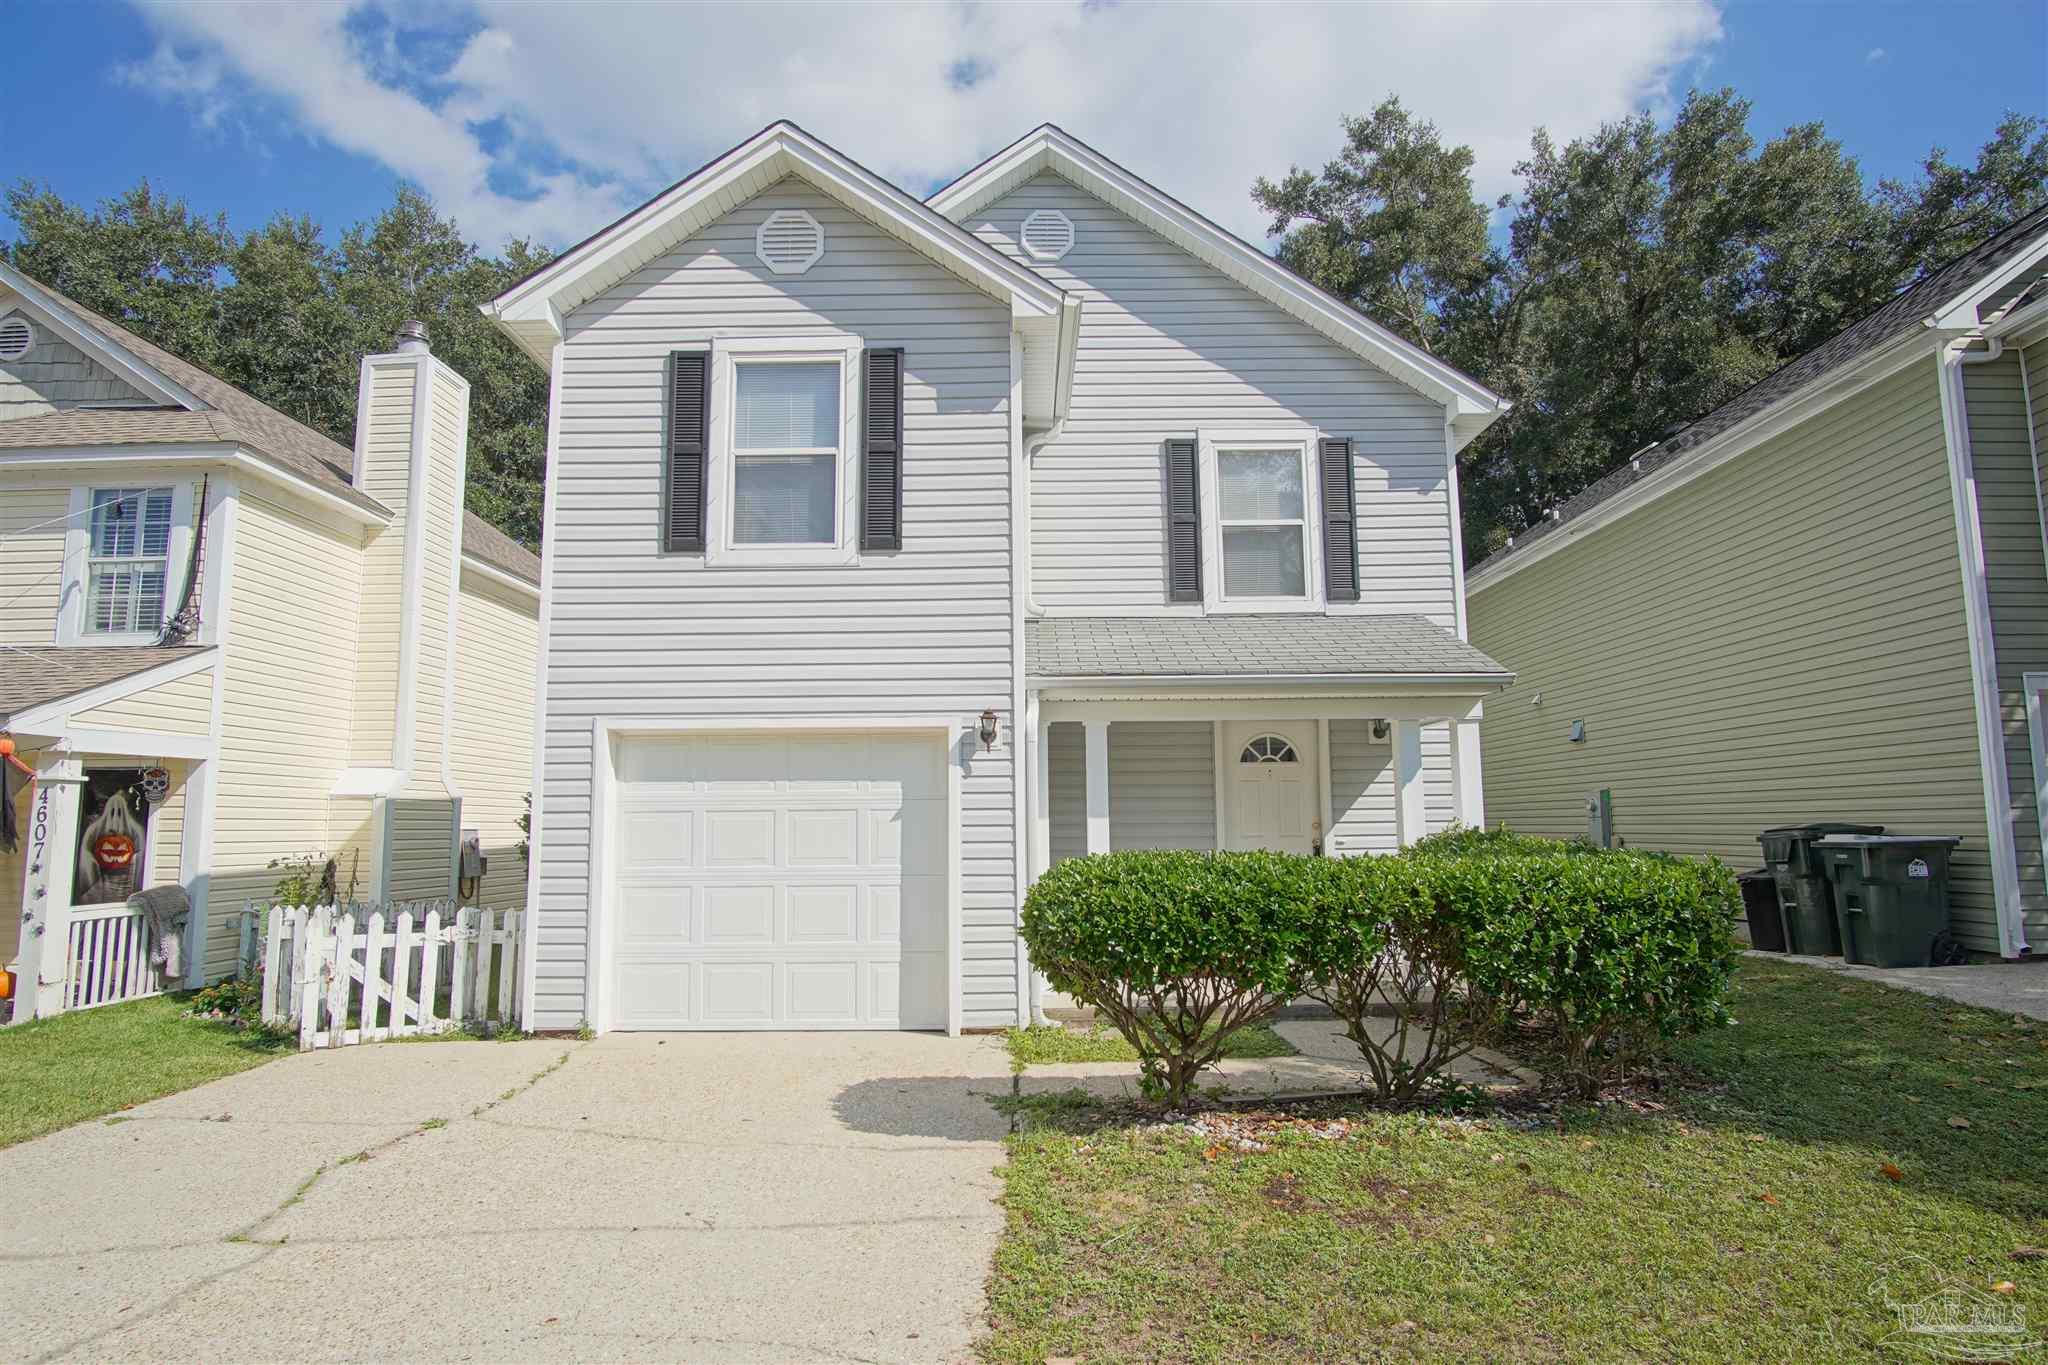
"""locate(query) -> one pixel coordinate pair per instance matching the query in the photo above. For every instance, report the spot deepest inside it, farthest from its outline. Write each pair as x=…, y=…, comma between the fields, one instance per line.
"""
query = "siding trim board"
x=1955, y=422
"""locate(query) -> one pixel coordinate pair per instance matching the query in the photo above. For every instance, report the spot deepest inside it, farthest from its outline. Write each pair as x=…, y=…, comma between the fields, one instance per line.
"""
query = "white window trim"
x=726, y=353
x=71, y=628
x=1302, y=442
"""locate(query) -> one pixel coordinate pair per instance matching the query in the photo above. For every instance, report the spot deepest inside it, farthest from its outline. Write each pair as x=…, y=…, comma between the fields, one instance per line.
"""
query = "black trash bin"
x=1760, y=905
x=1802, y=878
x=1891, y=897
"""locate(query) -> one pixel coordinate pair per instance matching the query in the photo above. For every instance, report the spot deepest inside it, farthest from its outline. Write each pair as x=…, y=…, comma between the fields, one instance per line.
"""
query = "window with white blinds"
x=1262, y=513
x=128, y=560
x=786, y=449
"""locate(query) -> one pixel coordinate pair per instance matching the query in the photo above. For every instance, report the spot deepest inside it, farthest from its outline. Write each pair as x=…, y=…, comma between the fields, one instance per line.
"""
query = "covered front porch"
x=121, y=746
x=1333, y=736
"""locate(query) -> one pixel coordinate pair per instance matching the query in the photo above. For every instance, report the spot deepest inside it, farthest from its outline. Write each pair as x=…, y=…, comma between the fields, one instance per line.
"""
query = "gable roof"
x=1946, y=295
x=218, y=413
x=1048, y=147
x=532, y=310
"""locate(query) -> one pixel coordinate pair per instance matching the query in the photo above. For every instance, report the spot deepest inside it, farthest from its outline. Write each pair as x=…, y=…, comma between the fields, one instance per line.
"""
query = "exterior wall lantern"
x=987, y=728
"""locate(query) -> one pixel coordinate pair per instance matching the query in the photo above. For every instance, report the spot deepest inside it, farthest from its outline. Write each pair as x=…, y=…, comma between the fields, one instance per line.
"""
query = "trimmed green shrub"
x=1390, y=964
x=1180, y=950
x=1610, y=947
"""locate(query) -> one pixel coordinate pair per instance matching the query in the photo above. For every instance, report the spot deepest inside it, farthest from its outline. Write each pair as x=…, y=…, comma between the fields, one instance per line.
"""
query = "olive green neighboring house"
x=225, y=639
x=1825, y=600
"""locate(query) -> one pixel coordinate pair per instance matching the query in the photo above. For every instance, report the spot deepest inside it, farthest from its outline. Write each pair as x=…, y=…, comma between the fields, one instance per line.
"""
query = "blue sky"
x=548, y=121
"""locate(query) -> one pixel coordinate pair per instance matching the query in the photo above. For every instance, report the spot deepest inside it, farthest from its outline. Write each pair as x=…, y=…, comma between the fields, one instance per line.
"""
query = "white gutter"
x=1955, y=425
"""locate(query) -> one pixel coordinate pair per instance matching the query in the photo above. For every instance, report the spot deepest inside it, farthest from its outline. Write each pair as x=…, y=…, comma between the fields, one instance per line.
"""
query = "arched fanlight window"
x=1268, y=749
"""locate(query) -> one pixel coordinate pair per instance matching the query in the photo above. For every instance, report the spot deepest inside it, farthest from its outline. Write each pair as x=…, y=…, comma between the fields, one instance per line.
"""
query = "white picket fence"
x=339, y=978
x=110, y=956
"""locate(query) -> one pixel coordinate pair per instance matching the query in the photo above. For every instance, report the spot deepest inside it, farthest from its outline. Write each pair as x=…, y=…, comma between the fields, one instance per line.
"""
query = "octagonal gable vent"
x=16, y=336
x=1048, y=235
x=789, y=242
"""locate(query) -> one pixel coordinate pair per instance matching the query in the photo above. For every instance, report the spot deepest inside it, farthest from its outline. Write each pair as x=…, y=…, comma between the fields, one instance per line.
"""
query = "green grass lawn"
x=1049, y=1044
x=1750, y=1217
x=56, y=1072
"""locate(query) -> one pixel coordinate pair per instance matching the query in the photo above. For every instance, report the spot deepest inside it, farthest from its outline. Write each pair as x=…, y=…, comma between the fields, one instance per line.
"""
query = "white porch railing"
x=340, y=979
x=110, y=956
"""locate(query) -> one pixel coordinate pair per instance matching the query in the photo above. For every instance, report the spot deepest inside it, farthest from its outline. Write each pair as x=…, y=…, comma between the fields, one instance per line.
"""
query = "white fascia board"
x=77, y=330
x=538, y=304
x=144, y=458
x=1775, y=420
x=492, y=573
x=1960, y=312
x=1228, y=683
x=1237, y=258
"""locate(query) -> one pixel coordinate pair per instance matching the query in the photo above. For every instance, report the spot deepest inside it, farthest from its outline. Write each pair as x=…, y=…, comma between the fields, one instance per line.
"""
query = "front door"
x=1272, y=790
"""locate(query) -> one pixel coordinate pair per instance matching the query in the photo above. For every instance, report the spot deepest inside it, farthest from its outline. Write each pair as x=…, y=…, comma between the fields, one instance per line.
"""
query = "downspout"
x=1027, y=750
x=1955, y=421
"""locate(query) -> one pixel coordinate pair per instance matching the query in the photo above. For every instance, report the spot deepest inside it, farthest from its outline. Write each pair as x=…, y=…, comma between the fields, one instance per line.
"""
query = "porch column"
x=1041, y=790
x=50, y=845
x=1409, y=808
x=1466, y=792
x=1097, y=763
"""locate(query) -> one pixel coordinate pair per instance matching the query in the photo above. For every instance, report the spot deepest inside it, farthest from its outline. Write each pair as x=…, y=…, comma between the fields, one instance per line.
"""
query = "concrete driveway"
x=708, y=1197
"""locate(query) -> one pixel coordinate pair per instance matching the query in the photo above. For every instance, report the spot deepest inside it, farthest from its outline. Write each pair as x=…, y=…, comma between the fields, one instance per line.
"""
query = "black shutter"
x=881, y=451
x=689, y=407
x=1340, y=522
x=1183, y=522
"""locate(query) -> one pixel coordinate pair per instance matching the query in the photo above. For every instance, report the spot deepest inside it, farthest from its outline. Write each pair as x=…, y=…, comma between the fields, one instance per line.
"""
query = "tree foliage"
x=286, y=316
x=1646, y=274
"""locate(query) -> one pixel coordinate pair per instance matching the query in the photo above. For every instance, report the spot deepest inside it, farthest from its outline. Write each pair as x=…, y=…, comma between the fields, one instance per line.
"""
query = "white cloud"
x=552, y=119
x=1875, y=55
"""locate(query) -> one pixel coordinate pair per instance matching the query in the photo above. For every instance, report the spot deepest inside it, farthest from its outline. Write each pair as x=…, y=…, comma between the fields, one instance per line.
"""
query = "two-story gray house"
x=896, y=548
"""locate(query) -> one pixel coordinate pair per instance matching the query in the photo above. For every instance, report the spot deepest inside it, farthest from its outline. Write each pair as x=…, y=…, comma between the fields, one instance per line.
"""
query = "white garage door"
x=780, y=881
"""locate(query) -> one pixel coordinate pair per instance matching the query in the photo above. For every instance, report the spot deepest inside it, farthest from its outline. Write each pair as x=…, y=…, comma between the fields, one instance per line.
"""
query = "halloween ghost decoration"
x=110, y=854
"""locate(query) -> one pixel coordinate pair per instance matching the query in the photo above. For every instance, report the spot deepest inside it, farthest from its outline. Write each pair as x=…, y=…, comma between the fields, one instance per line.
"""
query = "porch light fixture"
x=987, y=728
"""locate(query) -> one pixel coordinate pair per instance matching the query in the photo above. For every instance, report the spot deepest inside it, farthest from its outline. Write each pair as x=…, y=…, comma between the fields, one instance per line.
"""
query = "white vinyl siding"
x=1169, y=345
x=1162, y=785
x=182, y=706
x=491, y=731
x=636, y=634
x=32, y=531
x=386, y=470
x=1362, y=791
x=288, y=711
x=2009, y=512
x=1780, y=640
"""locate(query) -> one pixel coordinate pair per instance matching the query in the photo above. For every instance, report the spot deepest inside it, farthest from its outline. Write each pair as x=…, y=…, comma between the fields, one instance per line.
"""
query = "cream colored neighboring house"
x=1825, y=600
x=245, y=642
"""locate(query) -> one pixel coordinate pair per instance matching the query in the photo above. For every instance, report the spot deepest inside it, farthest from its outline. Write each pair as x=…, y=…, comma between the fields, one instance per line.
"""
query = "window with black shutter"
x=689, y=404
x=881, y=456
x=1340, y=521
x=1183, y=520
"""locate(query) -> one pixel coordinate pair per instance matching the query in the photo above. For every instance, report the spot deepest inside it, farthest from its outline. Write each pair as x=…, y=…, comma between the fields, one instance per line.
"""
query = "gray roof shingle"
x=1248, y=646
x=1901, y=313
x=33, y=674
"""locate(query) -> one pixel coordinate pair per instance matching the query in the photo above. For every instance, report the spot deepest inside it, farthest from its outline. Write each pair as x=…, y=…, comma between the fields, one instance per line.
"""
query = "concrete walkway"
x=2010, y=987
x=708, y=1197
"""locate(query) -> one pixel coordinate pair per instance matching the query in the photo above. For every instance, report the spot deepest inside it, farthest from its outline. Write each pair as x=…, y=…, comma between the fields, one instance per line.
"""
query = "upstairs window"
x=1262, y=514
x=128, y=560
x=786, y=450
